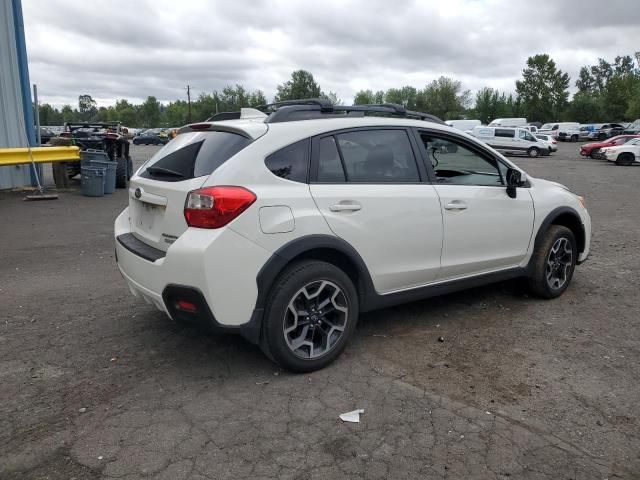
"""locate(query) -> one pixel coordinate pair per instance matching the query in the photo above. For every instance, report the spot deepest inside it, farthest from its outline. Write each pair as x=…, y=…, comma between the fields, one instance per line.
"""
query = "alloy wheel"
x=315, y=319
x=559, y=263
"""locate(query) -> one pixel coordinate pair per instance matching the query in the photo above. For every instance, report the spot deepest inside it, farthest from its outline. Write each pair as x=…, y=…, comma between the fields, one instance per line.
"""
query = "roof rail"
x=313, y=108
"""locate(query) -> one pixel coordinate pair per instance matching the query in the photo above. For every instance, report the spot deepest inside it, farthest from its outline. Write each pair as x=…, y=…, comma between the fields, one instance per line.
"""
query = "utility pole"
x=189, y=103
x=36, y=111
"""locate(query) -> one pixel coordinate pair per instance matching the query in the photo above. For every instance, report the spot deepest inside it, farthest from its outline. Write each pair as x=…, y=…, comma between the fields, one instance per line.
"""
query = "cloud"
x=155, y=47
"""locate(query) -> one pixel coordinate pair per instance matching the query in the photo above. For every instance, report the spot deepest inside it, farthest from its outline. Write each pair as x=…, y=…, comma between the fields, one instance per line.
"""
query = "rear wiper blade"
x=163, y=171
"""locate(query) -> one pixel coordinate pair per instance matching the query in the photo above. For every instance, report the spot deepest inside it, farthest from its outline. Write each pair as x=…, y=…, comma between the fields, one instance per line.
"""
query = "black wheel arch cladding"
x=568, y=217
x=317, y=247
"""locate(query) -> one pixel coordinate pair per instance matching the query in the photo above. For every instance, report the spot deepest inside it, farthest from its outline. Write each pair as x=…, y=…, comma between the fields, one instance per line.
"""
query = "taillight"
x=214, y=207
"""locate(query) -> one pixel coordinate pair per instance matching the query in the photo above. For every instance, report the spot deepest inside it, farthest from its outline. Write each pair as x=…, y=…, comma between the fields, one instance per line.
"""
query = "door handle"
x=455, y=205
x=345, y=207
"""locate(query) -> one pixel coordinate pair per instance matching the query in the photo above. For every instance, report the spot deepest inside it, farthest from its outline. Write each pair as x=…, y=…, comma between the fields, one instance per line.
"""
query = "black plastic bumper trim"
x=139, y=248
x=203, y=316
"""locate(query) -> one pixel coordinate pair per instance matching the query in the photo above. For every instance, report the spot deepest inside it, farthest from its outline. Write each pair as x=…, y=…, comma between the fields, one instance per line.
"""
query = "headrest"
x=379, y=158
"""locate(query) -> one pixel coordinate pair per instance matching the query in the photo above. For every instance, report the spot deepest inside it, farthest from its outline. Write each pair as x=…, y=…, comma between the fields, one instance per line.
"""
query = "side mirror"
x=514, y=180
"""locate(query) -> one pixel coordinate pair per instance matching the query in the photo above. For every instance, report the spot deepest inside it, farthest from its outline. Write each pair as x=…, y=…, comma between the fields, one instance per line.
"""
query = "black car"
x=149, y=138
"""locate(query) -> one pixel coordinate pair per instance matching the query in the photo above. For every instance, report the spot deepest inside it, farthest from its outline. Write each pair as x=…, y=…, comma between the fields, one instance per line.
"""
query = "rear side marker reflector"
x=215, y=207
x=186, y=306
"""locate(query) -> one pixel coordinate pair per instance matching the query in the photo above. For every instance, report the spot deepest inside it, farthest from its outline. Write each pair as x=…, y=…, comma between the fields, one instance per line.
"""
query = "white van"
x=509, y=122
x=514, y=140
x=567, y=129
x=464, y=125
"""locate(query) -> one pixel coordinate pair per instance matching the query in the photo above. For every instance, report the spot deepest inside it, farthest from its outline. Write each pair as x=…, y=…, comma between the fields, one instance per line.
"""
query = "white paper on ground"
x=353, y=417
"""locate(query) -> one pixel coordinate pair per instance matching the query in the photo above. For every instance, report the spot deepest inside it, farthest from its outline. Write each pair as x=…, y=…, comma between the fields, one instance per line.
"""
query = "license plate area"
x=148, y=215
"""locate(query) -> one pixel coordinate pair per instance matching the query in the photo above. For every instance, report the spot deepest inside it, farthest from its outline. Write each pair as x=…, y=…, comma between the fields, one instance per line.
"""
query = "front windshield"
x=635, y=125
x=635, y=141
x=547, y=126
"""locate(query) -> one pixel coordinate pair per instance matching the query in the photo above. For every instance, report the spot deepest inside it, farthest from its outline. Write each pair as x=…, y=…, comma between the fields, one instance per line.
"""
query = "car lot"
x=96, y=384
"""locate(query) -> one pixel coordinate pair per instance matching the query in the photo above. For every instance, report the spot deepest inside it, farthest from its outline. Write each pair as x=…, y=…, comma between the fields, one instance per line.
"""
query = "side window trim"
x=341, y=155
x=314, y=164
x=462, y=142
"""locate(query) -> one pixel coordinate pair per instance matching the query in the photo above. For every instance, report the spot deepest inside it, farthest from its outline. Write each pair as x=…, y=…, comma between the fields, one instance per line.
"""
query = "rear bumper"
x=220, y=265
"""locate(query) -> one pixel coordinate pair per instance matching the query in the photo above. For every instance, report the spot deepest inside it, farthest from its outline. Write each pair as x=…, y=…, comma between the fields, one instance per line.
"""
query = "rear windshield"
x=193, y=154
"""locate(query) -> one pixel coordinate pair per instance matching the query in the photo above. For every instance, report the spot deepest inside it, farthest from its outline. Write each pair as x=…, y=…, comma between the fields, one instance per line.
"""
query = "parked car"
x=464, y=125
x=555, y=129
x=594, y=150
x=514, y=140
x=626, y=154
x=532, y=128
x=150, y=138
x=633, y=128
x=607, y=130
x=551, y=142
x=508, y=122
x=270, y=229
x=569, y=134
x=585, y=130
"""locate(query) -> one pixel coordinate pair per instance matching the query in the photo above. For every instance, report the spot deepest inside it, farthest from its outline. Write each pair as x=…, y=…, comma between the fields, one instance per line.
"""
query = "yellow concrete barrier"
x=19, y=156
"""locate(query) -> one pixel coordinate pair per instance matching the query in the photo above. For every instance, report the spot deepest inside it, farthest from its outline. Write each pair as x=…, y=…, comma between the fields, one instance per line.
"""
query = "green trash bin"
x=92, y=181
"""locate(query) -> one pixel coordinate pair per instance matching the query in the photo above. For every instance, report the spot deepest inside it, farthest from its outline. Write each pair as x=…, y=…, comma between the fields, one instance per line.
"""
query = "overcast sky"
x=135, y=48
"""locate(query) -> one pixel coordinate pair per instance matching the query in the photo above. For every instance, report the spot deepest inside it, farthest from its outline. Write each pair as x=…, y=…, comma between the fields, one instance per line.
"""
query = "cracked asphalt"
x=95, y=384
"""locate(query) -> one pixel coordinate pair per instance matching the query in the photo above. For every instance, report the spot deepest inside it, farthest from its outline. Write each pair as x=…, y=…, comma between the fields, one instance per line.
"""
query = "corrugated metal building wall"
x=13, y=97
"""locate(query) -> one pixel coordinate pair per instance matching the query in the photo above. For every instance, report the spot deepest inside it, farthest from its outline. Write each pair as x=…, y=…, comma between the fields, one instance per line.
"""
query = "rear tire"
x=625, y=159
x=574, y=138
x=310, y=316
x=553, y=262
x=533, y=152
x=121, y=172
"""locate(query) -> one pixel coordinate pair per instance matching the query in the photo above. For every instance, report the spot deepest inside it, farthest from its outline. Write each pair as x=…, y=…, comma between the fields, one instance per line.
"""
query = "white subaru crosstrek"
x=285, y=227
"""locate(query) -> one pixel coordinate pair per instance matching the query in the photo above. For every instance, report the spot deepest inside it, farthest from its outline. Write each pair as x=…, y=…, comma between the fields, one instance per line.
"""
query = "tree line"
x=607, y=91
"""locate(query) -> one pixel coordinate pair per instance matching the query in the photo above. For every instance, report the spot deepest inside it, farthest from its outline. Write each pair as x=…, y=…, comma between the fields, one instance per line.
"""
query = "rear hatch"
x=158, y=191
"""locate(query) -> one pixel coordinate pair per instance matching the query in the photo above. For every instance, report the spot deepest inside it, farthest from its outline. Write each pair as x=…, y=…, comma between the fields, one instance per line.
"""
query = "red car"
x=593, y=149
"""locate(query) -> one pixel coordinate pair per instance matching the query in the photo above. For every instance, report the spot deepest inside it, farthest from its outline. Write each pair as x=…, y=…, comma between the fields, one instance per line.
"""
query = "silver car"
x=549, y=140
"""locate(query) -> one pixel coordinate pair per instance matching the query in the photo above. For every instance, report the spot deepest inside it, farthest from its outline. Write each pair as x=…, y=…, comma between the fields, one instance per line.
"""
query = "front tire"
x=553, y=262
x=310, y=317
x=593, y=153
x=533, y=152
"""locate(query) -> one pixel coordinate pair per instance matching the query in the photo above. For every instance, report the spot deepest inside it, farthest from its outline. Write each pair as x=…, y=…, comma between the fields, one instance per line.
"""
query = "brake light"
x=214, y=207
x=199, y=126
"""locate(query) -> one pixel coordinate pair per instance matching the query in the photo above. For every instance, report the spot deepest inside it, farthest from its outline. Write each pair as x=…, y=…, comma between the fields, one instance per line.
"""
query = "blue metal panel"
x=15, y=93
x=23, y=71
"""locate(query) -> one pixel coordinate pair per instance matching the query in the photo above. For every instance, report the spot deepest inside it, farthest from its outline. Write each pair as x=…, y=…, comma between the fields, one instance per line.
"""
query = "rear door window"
x=378, y=156
x=193, y=154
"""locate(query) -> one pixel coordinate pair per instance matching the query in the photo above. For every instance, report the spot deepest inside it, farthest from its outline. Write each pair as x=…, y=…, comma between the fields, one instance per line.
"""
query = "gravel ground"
x=95, y=384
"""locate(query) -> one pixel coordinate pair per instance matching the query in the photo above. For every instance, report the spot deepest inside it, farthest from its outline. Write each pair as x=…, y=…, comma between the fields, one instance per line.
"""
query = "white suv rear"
x=285, y=227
